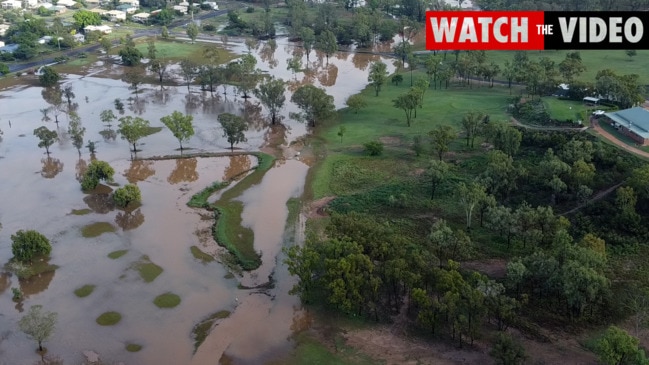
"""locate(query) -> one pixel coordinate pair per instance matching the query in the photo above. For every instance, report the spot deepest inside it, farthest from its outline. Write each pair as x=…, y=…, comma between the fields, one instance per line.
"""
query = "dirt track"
x=616, y=141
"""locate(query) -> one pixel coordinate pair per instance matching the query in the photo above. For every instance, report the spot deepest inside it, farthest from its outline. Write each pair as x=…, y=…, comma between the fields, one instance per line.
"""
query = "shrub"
x=97, y=171
x=374, y=148
x=27, y=244
x=250, y=9
x=127, y=194
x=209, y=28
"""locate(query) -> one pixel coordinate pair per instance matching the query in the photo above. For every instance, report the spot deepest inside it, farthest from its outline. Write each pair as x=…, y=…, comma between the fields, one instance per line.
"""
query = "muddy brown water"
x=41, y=192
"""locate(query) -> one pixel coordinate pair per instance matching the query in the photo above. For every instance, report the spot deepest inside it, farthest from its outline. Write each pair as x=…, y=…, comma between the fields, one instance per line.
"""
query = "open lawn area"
x=561, y=109
x=181, y=50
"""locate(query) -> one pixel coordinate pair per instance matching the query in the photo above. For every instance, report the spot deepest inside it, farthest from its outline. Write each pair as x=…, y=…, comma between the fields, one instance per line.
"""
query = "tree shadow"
x=129, y=220
x=51, y=167
x=185, y=171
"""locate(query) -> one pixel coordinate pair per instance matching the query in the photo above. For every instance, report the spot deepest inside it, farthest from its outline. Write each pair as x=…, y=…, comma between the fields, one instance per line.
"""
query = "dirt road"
x=616, y=141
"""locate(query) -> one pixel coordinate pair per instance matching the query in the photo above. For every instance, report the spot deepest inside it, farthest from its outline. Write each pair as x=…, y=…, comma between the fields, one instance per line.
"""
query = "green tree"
x=127, y=194
x=180, y=125
x=96, y=172
x=378, y=76
x=188, y=70
x=308, y=41
x=134, y=77
x=46, y=137
x=408, y=102
x=315, y=103
x=271, y=93
x=617, y=347
x=631, y=53
x=83, y=18
x=327, y=43
x=68, y=93
x=373, y=148
x=626, y=200
x=151, y=50
x=471, y=122
x=571, y=66
x=341, y=132
x=356, y=102
x=583, y=173
x=130, y=55
x=507, y=351
x=233, y=128
x=38, y=324
x=132, y=129
x=107, y=117
x=437, y=173
x=164, y=32
x=4, y=69
x=441, y=138
x=159, y=67
x=470, y=196
x=48, y=77
x=106, y=44
x=192, y=31
x=501, y=175
x=29, y=244
x=639, y=181
x=76, y=132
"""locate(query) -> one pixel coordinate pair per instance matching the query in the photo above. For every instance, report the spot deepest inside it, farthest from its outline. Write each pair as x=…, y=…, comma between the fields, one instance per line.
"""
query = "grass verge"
x=200, y=255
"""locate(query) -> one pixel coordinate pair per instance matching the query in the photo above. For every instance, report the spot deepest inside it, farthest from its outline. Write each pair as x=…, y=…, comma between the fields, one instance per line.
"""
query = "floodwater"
x=42, y=192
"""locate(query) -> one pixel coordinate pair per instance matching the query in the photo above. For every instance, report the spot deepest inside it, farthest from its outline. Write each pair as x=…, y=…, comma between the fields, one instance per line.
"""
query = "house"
x=212, y=5
x=562, y=91
x=591, y=100
x=59, y=9
x=78, y=37
x=30, y=4
x=45, y=39
x=179, y=8
x=12, y=4
x=141, y=17
x=45, y=5
x=116, y=15
x=99, y=11
x=132, y=3
x=3, y=29
x=127, y=8
x=66, y=3
x=105, y=29
x=633, y=123
x=9, y=48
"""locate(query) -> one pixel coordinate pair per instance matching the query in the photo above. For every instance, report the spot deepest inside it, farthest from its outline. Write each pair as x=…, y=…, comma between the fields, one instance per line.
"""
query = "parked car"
x=598, y=113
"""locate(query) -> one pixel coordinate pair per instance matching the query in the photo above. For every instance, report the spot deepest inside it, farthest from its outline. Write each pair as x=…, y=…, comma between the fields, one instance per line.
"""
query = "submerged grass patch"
x=133, y=347
x=109, y=318
x=203, y=328
x=97, y=229
x=227, y=229
x=148, y=270
x=167, y=300
x=151, y=130
x=117, y=254
x=84, y=291
x=200, y=255
x=81, y=211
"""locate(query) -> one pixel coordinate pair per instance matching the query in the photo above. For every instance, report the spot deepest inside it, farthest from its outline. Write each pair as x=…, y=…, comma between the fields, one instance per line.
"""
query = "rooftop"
x=635, y=119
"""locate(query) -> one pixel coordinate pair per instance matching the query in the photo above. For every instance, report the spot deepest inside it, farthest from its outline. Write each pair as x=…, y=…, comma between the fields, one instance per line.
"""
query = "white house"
x=116, y=15
x=100, y=28
x=45, y=5
x=66, y=3
x=141, y=17
x=182, y=9
x=2, y=44
x=30, y=4
x=99, y=11
x=12, y=4
x=3, y=29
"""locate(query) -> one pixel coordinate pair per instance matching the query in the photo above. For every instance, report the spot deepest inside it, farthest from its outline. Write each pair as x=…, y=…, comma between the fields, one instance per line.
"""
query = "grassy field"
x=566, y=109
x=175, y=50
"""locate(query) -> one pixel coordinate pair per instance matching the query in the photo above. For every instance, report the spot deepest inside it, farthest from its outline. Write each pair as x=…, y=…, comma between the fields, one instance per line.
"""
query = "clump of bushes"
x=374, y=148
x=127, y=194
x=97, y=171
x=28, y=244
x=250, y=9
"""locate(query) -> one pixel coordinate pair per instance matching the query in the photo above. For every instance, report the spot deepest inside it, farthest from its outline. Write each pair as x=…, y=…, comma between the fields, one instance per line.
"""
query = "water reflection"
x=238, y=164
x=185, y=171
x=137, y=105
x=100, y=201
x=51, y=167
x=161, y=96
x=129, y=220
x=192, y=102
x=267, y=54
x=80, y=169
x=362, y=60
x=5, y=283
x=328, y=75
x=253, y=116
x=37, y=283
x=139, y=170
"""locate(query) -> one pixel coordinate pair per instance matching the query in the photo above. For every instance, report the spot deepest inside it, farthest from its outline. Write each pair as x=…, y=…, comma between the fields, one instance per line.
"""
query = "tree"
x=403, y=50
x=76, y=132
x=132, y=129
x=471, y=123
x=441, y=138
x=356, y=102
x=408, y=102
x=271, y=95
x=233, y=128
x=501, y=174
x=507, y=351
x=188, y=71
x=68, y=94
x=315, y=103
x=135, y=77
x=38, y=324
x=106, y=44
x=151, y=50
x=341, y=132
x=83, y=18
x=47, y=138
x=631, y=53
x=571, y=66
x=437, y=173
x=4, y=69
x=327, y=43
x=107, y=116
x=127, y=194
x=470, y=195
x=192, y=31
x=617, y=347
x=29, y=244
x=180, y=125
x=164, y=32
x=160, y=68
x=378, y=75
x=54, y=97
x=639, y=181
x=308, y=41
x=96, y=172
x=49, y=76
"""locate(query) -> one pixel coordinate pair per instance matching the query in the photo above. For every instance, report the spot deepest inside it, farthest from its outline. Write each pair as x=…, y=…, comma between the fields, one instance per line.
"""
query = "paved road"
x=94, y=47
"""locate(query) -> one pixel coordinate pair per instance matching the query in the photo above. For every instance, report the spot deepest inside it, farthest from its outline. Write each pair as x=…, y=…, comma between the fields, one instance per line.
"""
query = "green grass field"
x=180, y=50
x=566, y=109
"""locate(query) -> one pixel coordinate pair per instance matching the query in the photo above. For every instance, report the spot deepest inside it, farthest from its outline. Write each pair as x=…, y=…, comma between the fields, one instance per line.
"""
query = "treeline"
x=557, y=5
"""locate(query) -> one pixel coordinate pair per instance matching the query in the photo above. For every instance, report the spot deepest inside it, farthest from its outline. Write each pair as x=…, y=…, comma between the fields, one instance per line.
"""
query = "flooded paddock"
x=130, y=257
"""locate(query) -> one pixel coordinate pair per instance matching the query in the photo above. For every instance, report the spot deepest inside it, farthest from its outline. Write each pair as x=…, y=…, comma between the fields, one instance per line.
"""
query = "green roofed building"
x=633, y=122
